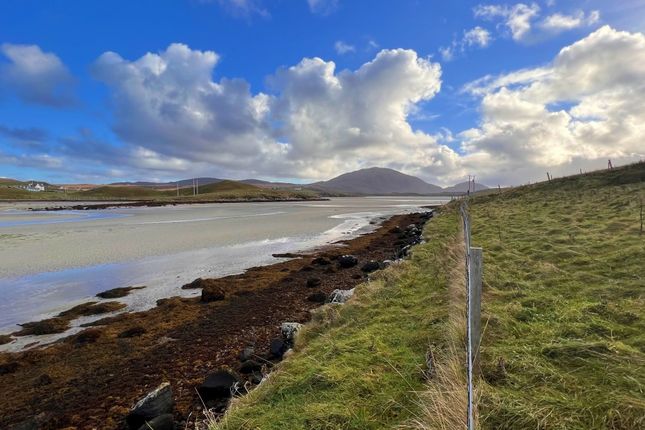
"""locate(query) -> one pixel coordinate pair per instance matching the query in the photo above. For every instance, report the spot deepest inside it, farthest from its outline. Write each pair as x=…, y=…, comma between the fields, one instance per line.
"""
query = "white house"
x=35, y=186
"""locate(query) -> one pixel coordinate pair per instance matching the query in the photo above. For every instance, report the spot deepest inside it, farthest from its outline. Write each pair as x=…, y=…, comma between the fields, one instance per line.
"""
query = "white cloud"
x=35, y=76
x=517, y=18
x=323, y=7
x=583, y=108
x=317, y=123
x=343, y=48
x=475, y=37
x=559, y=22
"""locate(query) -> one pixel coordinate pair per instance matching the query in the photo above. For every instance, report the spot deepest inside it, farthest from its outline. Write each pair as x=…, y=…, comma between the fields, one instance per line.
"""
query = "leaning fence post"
x=475, y=296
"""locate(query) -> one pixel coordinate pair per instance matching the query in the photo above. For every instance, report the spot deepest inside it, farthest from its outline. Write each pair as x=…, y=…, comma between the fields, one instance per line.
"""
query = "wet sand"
x=91, y=379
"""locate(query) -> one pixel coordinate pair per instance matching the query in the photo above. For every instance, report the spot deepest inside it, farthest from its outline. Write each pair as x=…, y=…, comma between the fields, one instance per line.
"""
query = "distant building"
x=35, y=187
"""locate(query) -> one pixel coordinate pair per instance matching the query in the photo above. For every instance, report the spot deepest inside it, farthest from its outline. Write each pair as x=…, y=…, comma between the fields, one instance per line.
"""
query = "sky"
x=304, y=90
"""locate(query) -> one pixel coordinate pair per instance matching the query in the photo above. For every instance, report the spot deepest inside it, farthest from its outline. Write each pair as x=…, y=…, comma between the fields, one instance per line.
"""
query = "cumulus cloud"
x=517, y=18
x=583, y=108
x=35, y=76
x=343, y=48
x=560, y=22
x=316, y=122
x=475, y=37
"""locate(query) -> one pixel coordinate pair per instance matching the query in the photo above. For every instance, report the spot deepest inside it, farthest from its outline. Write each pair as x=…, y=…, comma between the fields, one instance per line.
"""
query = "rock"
x=285, y=255
x=198, y=283
x=250, y=366
x=132, y=332
x=48, y=326
x=90, y=335
x=277, y=348
x=289, y=330
x=162, y=422
x=313, y=282
x=256, y=377
x=395, y=229
x=155, y=403
x=217, y=386
x=371, y=266
x=386, y=263
x=92, y=308
x=340, y=296
x=247, y=353
x=116, y=293
x=347, y=261
x=403, y=251
x=10, y=367
x=317, y=297
x=307, y=269
x=212, y=294
x=5, y=338
x=411, y=227
x=321, y=261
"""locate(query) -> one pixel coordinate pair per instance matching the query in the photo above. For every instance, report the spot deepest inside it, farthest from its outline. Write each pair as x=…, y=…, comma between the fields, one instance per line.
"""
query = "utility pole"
x=197, y=189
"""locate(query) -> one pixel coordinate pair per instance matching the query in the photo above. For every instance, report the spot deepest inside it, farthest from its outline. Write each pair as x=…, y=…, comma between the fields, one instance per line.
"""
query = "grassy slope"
x=225, y=190
x=563, y=310
x=564, y=282
x=358, y=366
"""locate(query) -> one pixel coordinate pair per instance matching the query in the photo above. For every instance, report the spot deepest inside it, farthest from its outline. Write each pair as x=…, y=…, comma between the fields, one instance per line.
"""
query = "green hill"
x=563, y=344
x=119, y=192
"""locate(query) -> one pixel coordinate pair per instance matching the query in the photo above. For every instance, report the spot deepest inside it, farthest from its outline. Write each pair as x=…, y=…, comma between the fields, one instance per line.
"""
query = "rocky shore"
x=158, y=203
x=150, y=366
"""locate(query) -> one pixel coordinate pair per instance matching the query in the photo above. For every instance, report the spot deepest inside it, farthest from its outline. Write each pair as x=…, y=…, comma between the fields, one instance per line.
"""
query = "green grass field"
x=563, y=316
x=224, y=190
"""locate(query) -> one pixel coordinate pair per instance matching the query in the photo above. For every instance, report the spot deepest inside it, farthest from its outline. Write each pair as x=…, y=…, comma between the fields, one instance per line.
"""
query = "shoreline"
x=91, y=379
x=148, y=203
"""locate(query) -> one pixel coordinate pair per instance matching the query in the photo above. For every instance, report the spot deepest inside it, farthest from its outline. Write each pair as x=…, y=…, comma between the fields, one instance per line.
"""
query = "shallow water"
x=52, y=260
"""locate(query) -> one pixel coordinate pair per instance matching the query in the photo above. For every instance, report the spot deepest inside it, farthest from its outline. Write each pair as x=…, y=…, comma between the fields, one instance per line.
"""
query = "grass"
x=564, y=328
x=564, y=345
x=224, y=190
x=361, y=365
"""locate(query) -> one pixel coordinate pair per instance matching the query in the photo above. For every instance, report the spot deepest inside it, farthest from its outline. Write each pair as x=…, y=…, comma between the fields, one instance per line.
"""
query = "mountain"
x=462, y=187
x=377, y=181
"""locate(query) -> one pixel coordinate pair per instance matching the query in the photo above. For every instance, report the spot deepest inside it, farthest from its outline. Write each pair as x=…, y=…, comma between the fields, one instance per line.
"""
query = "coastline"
x=91, y=379
x=151, y=203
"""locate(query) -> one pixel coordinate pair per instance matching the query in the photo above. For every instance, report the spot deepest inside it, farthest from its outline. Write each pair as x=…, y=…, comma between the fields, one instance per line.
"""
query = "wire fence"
x=474, y=259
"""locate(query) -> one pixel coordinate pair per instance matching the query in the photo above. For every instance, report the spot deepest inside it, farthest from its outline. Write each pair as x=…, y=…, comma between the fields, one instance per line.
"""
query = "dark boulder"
x=395, y=229
x=162, y=422
x=116, y=293
x=88, y=336
x=247, y=353
x=133, y=332
x=371, y=266
x=321, y=261
x=347, y=261
x=217, y=386
x=313, y=282
x=250, y=366
x=317, y=297
x=285, y=255
x=212, y=294
x=277, y=348
x=10, y=367
x=157, y=402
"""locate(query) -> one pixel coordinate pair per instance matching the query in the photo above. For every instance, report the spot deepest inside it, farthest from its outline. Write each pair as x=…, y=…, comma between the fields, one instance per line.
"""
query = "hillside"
x=375, y=181
x=462, y=187
x=563, y=316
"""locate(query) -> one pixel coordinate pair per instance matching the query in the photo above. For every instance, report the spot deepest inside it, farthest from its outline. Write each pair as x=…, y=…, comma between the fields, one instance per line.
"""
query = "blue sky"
x=68, y=116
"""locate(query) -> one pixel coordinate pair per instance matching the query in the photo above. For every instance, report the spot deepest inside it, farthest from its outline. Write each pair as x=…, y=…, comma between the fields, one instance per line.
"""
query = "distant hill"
x=462, y=187
x=377, y=181
x=181, y=183
x=268, y=184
